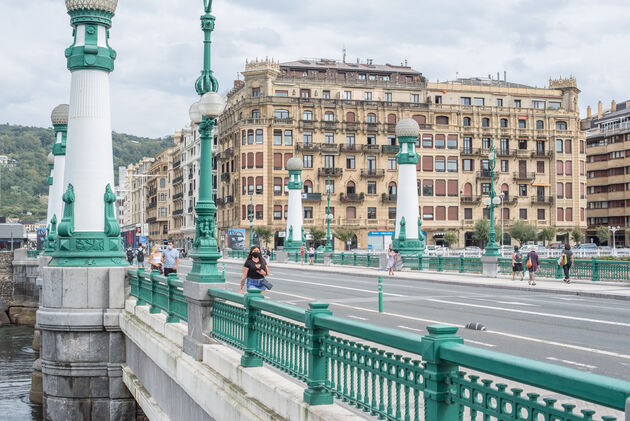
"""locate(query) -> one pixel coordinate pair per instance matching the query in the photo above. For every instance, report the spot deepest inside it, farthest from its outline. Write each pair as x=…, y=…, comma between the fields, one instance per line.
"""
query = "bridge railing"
x=161, y=293
x=398, y=375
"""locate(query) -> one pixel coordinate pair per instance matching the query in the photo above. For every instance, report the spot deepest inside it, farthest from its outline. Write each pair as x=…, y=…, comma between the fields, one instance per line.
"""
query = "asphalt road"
x=589, y=334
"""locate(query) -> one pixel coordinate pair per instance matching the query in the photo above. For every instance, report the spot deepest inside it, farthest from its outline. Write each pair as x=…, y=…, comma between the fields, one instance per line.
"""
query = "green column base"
x=318, y=397
x=205, y=267
x=251, y=361
x=88, y=249
x=292, y=246
x=410, y=246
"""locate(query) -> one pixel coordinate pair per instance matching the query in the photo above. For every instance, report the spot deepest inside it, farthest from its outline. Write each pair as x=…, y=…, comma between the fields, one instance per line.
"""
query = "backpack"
x=140, y=254
x=130, y=254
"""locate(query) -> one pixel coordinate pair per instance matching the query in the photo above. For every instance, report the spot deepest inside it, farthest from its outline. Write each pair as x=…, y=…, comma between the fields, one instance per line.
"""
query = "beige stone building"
x=340, y=119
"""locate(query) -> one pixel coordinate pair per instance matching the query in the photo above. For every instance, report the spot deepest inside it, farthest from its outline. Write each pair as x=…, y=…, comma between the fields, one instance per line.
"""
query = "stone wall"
x=18, y=286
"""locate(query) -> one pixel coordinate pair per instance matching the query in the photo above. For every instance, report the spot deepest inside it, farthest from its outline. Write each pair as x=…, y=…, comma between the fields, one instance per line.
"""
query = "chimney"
x=599, y=109
x=613, y=106
x=588, y=112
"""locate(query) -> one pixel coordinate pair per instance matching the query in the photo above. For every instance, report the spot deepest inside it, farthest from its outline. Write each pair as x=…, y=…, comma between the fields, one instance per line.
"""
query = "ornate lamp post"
x=329, y=241
x=614, y=230
x=204, y=113
x=492, y=249
x=251, y=221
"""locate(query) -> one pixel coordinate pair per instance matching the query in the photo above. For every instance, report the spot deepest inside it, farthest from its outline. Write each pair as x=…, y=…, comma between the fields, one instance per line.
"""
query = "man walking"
x=170, y=259
x=130, y=255
x=140, y=256
x=532, y=266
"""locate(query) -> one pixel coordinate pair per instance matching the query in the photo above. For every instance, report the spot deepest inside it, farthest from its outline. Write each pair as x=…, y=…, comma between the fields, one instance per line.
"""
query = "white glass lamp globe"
x=486, y=201
x=491, y=156
x=496, y=200
x=194, y=113
x=211, y=104
x=329, y=216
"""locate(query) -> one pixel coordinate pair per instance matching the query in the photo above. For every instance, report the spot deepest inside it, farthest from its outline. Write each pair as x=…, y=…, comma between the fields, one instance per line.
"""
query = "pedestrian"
x=140, y=256
x=311, y=255
x=155, y=260
x=566, y=261
x=302, y=251
x=254, y=271
x=130, y=255
x=532, y=266
x=391, y=259
x=170, y=258
x=517, y=263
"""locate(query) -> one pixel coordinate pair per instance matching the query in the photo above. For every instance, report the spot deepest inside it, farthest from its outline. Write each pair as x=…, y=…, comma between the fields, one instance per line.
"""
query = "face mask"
x=256, y=254
x=170, y=247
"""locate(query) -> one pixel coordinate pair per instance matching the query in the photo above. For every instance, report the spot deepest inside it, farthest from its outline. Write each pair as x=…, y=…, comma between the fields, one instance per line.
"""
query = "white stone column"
x=293, y=235
x=59, y=118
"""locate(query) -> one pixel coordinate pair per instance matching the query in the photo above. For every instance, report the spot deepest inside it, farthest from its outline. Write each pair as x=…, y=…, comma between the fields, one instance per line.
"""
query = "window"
x=452, y=164
x=371, y=139
x=581, y=167
x=286, y=211
x=559, y=145
x=560, y=216
x=540, y=124
x=540, y=167
x=427, y=213
x=371, y=187
x=277, y=186
x=440, y=141
x=350, y=162
x=504, y=146
x=568, y=190
x=568, y=167
x=371, y=164
x=467, y=165
x=554, y=105
x=522, y=144
x=329, y=187
x=541, y=214
x=505, y=167
x=329, y=161
x=259, y=185
x=250, y=137
x=440, y=187
x=391, y=163
x=308, y=212
x=371, y=118
x=288, y=137
x=522, y=124
x=367, y=96
x=561, y=125
x=277, y=137
x=440, y=165
x=351, y=212
x=391, y=213
x=308, y=161
x=388, y=97
x=468, y=144
x=427, y=141
x=522, y=214
x=244, y=185
x=415, y=98
x=559, y=168
x=427, y=163
x=467, y=121
x=485, y=122
x=441, y=119
x=307, y=115
x=282, y=93
x=468, y=213
x=499, y=102
x=329, y=137
x=427, y=187
x=259, y=136
x=438, y=99
x=522, y=190
x=259, y=159
x=568, y=214
x=250, y=185
x=255, y=92
x=538, y=104
x=308, y=186
x=485, y=188
x=305, y=93
x=440, y=213
x=277, y=212
x=452, y=188
x=287, y=156
x=479, y=102
x=451, y=141
x=517, y=103
x=391, y=140
x=350, y=140
x=326, y=94
x=243, y=137
x=307, y=138
x=347, y=95
x=329, y=116
x=464, y=100
x=485, y=143
x=504, y=123
x=567, y=146
x=371, y=213
x=255, y=113
x=286, y=185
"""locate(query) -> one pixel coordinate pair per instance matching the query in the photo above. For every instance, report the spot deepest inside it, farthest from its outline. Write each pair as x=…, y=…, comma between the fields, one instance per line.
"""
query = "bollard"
x=380, y=294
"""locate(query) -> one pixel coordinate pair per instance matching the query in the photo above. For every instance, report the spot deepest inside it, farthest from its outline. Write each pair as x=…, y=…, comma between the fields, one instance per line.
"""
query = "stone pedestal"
x=282, y=257
x=327, y=258
x=382, y=261
x=199, y=316
x=490, y=266
x=82, y=346
x=628, y=409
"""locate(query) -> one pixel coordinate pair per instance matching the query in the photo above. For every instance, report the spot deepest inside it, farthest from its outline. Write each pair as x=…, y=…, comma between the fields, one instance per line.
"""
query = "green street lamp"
x=492, y=249
x=329, y=241
x=204, y=113
x=251, y=222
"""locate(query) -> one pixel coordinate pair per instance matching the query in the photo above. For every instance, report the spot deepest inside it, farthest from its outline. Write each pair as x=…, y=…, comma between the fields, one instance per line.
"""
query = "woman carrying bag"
x=155, y=260
x=254, y=271
x=566, y=261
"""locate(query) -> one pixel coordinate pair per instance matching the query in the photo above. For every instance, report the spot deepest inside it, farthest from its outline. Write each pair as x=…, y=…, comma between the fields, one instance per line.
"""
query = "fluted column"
x=294, y=236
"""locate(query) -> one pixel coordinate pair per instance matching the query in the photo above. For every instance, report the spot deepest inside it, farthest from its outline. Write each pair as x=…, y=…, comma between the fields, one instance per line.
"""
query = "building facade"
x=608, y=171
x=339, y=118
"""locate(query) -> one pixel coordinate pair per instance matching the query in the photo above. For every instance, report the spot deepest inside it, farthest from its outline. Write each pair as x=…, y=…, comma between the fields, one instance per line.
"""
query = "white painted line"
x=357, y=317
x=590, y=367
x=536, y=313
x=516, y=303
x=411, y=328
x=470, y=341
x=337, y=286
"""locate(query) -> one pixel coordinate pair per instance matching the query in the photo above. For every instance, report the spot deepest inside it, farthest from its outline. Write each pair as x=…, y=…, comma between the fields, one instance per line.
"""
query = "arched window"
x=467, y=121
x=504, y=123
x=441, y=119
x=371, y=118
x=467, y=190
x=329, y=116
x=350, y=188
x=308, y=186
x=255, y=113
x=392, y=189
x=561, y=125
x=391, y=118
x=307, y=115
x=350, y=118
x=420, y=119
x=485, y=122
x=540, y=124
x=281, y=114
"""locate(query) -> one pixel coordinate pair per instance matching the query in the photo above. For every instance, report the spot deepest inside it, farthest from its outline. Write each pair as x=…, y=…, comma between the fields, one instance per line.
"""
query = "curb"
x=401, y=275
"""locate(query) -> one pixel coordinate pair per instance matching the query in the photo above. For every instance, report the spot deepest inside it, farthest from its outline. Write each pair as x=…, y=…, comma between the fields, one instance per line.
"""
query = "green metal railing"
x=355, y=259
x=459, y=264
x=407, y=377
x=242, y=254
x=33, y=253
x=592, y=270
x=160, y=292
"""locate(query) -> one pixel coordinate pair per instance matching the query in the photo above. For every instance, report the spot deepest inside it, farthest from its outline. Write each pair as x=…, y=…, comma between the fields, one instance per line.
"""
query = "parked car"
x=587, y=246
x=556, y=246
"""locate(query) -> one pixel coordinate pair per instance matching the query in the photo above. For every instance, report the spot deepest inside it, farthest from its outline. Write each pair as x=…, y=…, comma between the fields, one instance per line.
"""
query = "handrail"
x=280, y=309
x=602, y=390
x=227, y=295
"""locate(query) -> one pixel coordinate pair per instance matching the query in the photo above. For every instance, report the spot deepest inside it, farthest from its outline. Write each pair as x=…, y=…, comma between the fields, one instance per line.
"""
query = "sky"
x=159, y=46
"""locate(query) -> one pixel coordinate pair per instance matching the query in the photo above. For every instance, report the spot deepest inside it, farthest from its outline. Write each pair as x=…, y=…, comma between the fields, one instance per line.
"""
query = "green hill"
x=23, y=186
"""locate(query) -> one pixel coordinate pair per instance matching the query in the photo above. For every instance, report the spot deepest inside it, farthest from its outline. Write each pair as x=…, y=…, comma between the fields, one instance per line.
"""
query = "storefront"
x=379, y=240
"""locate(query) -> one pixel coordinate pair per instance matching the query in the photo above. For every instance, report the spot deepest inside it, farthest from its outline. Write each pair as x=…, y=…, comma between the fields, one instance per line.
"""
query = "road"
x=589, y=334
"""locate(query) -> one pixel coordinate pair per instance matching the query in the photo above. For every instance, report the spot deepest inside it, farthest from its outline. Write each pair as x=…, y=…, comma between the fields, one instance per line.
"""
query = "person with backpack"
x=517, y=263
x=532, y=266
x=566, y=261
x=130, y=255
x=140, y=256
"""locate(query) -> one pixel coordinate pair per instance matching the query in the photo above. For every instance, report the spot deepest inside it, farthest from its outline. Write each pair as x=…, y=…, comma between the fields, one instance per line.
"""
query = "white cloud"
x=159, y=45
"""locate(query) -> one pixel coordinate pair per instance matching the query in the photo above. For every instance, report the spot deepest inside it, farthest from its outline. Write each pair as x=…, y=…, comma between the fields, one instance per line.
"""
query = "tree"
x=481, y=231
x=523, y=232
x=264, y=233
x=450, y=238
x=577, y=236
x=344, y=235
x=602, y=235
x=547, y=234
x=318, y=235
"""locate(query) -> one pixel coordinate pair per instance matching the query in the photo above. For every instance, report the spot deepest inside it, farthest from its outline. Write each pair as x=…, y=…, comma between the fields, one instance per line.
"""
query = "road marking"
x=357, y=317
x=516, y=303
x=536, y=313
x=509, y=335
x=470, y=341
x=590, y=367
x=338, y=286
x=411, y=328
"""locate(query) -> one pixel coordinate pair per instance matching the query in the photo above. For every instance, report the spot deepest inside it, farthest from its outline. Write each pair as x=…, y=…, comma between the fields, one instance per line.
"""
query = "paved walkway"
x=614, y=290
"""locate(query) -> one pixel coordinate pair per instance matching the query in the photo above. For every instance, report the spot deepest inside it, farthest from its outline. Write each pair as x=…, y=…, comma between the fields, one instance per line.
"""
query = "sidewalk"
x=611, y=290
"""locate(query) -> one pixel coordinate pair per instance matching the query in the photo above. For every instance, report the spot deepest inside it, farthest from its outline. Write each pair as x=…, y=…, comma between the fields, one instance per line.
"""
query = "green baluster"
x=317, y=366
x=374, y=366
x=154, y=308
x=368, y=260
x=559, y=274
x=390, y=410
x=352, y=354
x=343, y=258
x=462, y=268
x=416, y=391
x=439, y=259
x=397, y=385
x=339, y=357
x=250, y=356
x=595, y=266
x=437, y=374
x=172, y=290
x=366, y=378
x=354, y=261
x=406, y=387
x=419, y=261
x=381, y=401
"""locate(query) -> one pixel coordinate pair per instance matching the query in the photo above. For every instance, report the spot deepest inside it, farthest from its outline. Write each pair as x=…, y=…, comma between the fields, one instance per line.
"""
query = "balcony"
x=483, y=174
x=329, y=148
x=389, y=149
x=351, y=221
x=152, y=192
x=307, y=124
x=351, y=197
x=503, y=152
x=352, y=125
x=470, y=199
x=329, y=125
x=178, y=179
x=225, y=176
x=228, y=199
x=176, y=164
x=524, y=175
x=372, y=127
x=307, y=146
x=152, y=205
x=190, y=210
x=311, y=197
x=372, y=172
x=349, y=148
x=228, y=153
x=178, y=212
x=333, y=172
x=388, y=198
x=391, y=127
x=470, y=152
x=370, y=148
x=151, y=220
x=542, y=200
x=178, y=196
x=190, y=175
x=523, y=153
x=541, y=154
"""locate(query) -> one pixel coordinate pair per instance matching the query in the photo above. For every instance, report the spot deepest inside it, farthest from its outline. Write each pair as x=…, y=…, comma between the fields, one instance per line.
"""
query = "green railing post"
x=419, y=261
x=343, y=258
x=595, y=273
x=223, y=270
x=354, y=261
x=440, y=269
x=462, y=267
x=438, y=374
x=250, y=356
x=559, y=274
x=171, y=318
x=154, y=308
x=380, y=294
x=317, y=370
x=368, y=260
x=140, y=301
